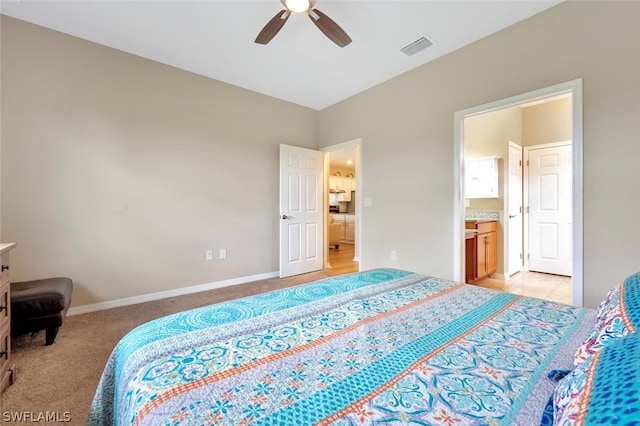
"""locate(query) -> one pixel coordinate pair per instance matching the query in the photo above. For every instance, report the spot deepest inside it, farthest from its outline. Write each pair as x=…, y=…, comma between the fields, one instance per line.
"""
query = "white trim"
x=547, y=145
x=578, y=205
x=93, y=307
x=525, y=208
x=575, y=88
x=458, y=194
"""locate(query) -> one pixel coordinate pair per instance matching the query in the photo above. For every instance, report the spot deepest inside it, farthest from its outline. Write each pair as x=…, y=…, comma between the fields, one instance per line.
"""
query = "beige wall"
x=489, y=135
x=547, y=122
x=120, y=172
x=407, y=128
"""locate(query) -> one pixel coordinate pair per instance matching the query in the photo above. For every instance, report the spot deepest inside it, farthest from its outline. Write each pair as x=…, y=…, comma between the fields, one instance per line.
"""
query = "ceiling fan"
x=322, y=21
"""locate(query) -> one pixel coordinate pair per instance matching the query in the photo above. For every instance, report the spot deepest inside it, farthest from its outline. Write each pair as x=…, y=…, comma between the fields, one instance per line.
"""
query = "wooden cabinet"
x=487, y=254
x=483, y=262
x=6, y=368
x=470, y=257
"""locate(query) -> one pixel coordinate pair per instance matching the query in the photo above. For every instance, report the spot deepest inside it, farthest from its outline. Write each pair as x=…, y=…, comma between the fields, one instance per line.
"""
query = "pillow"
x=618, y=315
x=605, y=389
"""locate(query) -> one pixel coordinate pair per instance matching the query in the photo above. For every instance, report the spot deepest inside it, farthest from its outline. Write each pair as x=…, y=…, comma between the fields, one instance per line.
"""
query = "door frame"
x=358, y=145
x=525, y=193
x=574, y=87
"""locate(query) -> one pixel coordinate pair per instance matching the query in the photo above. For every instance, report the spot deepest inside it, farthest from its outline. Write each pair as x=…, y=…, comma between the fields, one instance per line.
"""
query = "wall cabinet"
x=481, y=250
x=481, y=178
x=343, y=183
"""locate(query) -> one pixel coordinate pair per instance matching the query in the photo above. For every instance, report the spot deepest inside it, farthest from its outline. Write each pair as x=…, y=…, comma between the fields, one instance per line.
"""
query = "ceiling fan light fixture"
x=322, y=21
x=297, y=6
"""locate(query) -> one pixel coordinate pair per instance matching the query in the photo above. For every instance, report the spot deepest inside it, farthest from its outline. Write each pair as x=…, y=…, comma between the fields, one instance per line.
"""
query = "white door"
x=514, y=210
x=301, y=219
x=550, y=210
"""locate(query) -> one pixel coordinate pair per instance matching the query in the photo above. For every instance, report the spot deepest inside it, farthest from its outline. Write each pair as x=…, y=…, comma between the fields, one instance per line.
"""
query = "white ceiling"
x=300, y=65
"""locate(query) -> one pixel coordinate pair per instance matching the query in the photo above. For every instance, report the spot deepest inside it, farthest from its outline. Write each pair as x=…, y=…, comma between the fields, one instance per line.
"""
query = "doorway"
x=304, y=209
x=343, y=183
x=573, y=89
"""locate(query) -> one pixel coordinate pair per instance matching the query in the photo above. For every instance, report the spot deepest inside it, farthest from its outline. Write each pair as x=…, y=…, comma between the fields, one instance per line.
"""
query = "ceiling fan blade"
x=273, y=26
x=329, y=28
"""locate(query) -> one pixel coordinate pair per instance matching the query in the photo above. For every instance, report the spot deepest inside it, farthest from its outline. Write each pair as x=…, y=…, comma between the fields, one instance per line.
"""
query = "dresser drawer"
x=4, y=258
x=6, y=373
x=482, y=226
x=485, y=227
x=5, y=346
x=5, y=305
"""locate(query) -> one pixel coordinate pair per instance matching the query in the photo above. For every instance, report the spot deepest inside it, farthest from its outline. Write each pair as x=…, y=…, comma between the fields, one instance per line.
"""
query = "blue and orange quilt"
x=384, y=346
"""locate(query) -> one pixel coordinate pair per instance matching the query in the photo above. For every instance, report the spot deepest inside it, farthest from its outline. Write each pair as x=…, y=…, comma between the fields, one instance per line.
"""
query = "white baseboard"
x=93, y=307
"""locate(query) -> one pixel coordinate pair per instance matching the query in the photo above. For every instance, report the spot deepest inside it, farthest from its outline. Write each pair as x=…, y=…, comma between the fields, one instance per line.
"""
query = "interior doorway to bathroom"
x=570, y=96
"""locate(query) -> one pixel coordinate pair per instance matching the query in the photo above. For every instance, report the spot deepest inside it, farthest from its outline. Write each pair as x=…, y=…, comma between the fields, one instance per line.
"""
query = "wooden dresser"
x=6, y=368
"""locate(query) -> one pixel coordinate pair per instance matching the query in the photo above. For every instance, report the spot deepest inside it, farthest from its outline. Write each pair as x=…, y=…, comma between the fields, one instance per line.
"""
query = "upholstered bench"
x=40, y=305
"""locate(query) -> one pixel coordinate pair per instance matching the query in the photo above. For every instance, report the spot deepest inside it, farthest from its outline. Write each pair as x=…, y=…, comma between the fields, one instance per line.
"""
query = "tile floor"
x=557, y=288
x=535, y=284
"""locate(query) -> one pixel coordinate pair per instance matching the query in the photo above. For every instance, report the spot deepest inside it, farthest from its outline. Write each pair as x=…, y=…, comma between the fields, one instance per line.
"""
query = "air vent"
x=417, y=46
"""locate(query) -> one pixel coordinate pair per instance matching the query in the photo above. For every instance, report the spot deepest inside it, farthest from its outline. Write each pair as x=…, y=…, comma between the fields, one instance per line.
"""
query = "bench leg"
x=50, y=335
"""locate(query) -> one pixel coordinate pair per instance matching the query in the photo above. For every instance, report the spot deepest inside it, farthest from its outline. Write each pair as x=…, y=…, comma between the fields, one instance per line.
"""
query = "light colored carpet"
x=62, y=378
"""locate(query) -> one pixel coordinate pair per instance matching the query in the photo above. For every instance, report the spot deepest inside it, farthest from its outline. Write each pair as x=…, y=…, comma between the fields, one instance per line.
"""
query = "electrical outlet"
x=223, y=253
x=394, y=255
x=208, y=255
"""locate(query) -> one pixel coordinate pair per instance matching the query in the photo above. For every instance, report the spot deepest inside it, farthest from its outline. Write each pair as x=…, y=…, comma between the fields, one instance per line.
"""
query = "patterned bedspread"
x=381, y=346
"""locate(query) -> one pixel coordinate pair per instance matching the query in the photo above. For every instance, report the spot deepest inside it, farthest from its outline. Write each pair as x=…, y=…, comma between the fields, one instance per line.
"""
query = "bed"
x=384, y=346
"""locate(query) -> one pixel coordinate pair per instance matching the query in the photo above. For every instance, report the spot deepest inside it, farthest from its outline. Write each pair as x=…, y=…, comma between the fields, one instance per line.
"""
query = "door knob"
x=285, y=217
x=511, y=216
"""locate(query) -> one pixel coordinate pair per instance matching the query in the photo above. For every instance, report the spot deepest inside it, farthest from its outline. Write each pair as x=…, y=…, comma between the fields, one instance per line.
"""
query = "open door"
x=550, y=209
x=301, y=210
x=514, y=253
